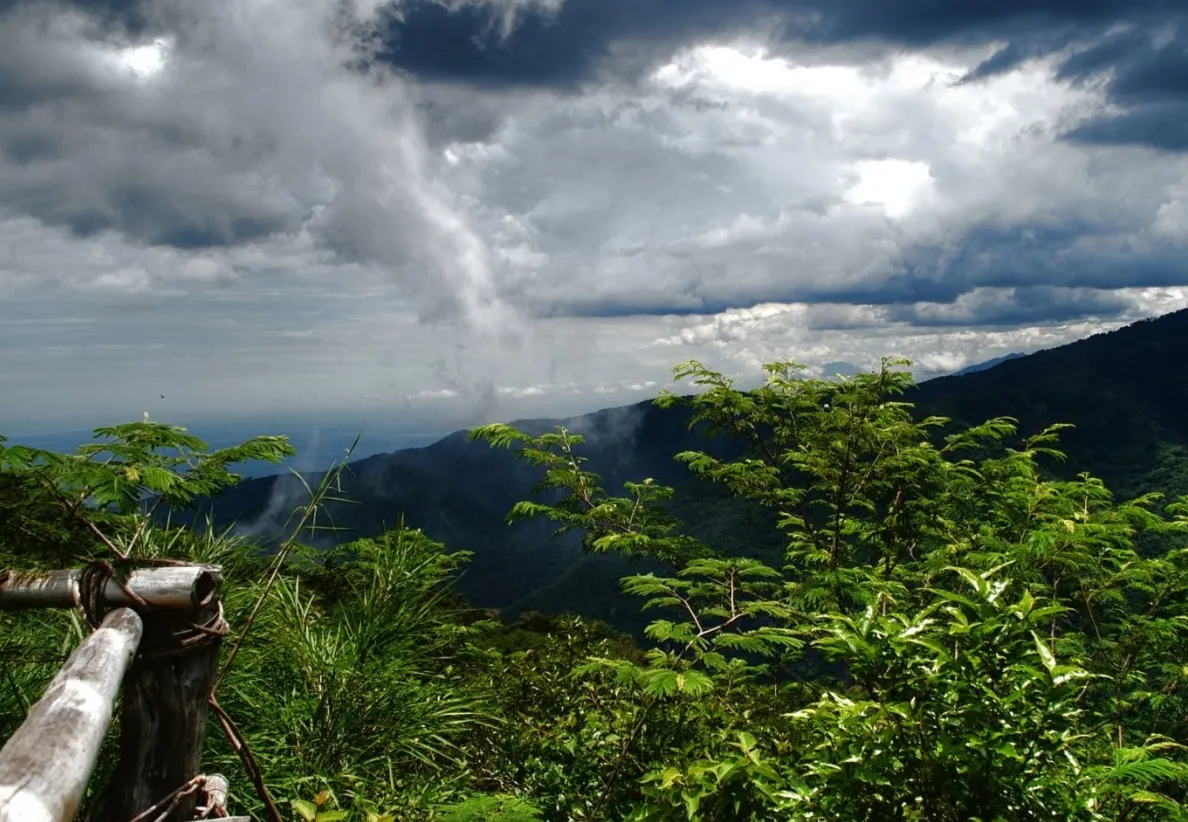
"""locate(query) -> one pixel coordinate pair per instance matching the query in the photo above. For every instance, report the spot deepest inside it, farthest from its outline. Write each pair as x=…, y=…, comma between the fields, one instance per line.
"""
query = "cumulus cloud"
x=448, y=211
x=938, y=338
x=752, y=177
x=244, y=123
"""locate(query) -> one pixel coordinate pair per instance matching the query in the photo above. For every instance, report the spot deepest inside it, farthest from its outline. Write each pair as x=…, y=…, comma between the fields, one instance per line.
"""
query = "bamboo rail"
x=45, y=765
x=161, y=643
x=174, y=587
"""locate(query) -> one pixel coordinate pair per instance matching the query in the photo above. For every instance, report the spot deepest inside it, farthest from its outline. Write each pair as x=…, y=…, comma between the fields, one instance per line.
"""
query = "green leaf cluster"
x=951, y=632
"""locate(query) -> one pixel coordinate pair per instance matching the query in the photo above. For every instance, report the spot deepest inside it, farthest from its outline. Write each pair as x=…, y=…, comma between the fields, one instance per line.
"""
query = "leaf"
x=305, y=809
x=1026, y=603
x=1045, y=652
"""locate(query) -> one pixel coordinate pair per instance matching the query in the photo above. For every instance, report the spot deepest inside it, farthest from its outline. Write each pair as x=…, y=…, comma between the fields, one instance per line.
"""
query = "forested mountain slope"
x=1126, y=392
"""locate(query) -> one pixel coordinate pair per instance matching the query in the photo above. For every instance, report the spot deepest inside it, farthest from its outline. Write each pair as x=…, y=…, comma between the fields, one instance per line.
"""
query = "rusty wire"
x=90, y=597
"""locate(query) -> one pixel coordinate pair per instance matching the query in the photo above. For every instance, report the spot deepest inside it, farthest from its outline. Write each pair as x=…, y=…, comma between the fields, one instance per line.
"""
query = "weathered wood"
x=183, y=587
x=45, y=765
x=163, y=721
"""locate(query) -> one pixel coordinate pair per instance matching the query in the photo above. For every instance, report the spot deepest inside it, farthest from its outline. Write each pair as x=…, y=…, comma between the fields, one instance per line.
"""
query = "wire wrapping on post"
x=92, y=585
x=170, y=802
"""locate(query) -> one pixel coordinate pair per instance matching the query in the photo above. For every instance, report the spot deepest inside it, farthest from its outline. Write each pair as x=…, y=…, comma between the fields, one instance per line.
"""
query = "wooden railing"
x=156, y=634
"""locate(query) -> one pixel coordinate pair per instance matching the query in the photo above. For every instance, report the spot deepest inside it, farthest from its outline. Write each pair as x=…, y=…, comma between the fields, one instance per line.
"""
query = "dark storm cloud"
x=1055, y=258
x=564, y=47
x=228, y=132
x=126, y=15
x=1024, y=47
x=923, y=22
x=597, y=211
x=1148, y=80
x=462, y=40
x=155, y=217
x=77, y=159
x=1145, y=68
x=923, y=304
x=1163, y=126
x=22, y=149
x=550, y=48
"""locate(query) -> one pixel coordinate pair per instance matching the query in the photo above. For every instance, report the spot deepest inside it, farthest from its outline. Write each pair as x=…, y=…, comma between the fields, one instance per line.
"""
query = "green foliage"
x=61, y=510
x=566, y=730
x=112, y=488
x=311, y=810
x=140, y=459
x=343, y=676
x=491, y=809
x=35, y=529
x=919, y=623
x=737, y=784
x=973, y=638
x=634, y=525
x=960, y=711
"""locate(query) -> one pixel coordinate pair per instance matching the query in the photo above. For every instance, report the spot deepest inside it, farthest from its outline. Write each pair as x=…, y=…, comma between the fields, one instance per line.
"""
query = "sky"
x=428, y=214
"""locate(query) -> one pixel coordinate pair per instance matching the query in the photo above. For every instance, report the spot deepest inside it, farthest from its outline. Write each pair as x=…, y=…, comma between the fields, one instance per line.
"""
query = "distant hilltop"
x=987, y=365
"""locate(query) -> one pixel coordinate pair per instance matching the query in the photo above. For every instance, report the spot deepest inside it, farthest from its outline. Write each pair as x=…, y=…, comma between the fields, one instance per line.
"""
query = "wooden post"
x=163, y=721
x=45, y=765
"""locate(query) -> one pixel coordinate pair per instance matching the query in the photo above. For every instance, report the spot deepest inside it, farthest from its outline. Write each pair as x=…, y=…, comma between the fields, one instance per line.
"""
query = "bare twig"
x=172, y=800
x=235, y=737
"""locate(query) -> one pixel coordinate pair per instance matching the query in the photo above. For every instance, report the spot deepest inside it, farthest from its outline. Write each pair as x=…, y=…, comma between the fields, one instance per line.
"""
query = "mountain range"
x=1125, y=391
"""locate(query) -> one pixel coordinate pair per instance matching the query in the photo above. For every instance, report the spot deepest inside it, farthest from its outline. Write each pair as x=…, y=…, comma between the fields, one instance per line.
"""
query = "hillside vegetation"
x=1124, y=392
x=901, y=619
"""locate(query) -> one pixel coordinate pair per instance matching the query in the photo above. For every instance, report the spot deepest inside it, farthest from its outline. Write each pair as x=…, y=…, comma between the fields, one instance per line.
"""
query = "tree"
x=972, y=639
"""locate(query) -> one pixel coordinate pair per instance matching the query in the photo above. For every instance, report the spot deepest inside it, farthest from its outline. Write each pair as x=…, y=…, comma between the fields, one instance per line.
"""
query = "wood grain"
x=163, y=719
x=46, y=763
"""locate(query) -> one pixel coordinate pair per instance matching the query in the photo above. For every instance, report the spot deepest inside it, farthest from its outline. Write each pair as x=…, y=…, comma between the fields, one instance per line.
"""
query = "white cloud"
x=434, y=394
x=899, y=186
x=145, y=61
x=939, y=341
x=233, y=214
x=746, y=176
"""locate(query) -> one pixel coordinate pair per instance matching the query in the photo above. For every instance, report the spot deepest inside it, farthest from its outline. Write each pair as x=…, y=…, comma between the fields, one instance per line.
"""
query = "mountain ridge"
x=988, y=364
x=1121, y=390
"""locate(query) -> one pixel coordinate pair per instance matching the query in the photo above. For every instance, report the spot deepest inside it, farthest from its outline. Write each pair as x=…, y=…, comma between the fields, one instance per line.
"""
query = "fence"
x=156, y=633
